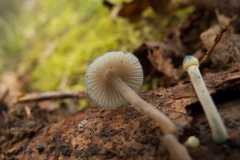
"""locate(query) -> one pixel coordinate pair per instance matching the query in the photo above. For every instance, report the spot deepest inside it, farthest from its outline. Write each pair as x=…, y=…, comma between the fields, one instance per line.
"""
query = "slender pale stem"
x=165, y=123
x=219, y=132
x=176, y=150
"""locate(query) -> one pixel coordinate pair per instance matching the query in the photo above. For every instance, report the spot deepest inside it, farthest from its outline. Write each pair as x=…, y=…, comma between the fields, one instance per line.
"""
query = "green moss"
x=68, y=37
x=54, y=41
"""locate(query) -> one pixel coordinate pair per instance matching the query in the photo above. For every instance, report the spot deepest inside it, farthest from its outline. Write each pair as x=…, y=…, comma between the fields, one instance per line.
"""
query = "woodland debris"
x=227, y=52
x=216, y=41
x=183, y=94
x=163, y=64
x=49, y=96
x=133, y=9
x=219, y=36
x=160, y=60
x=125, y=132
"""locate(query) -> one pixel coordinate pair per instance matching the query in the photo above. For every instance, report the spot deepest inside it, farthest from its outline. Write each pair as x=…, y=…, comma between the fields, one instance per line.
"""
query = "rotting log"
x=124, y=133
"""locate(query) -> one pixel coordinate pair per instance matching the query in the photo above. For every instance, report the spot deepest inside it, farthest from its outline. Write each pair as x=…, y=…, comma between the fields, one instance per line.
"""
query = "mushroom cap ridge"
x=125, y=65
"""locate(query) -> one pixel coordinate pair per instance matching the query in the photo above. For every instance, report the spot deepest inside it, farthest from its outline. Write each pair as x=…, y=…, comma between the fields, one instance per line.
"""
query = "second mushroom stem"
x=218, y=129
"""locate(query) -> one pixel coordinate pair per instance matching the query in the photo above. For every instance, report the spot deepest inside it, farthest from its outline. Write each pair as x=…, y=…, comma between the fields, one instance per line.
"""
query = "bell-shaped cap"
x=125, y=65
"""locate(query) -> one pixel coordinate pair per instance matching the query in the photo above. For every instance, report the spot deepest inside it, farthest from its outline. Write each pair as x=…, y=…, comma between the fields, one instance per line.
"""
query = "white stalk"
x=219, y=132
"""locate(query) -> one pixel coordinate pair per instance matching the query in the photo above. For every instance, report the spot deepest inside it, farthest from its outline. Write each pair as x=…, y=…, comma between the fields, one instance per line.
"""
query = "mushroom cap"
x=192, y=142
x=125, y=65
x=189, y=61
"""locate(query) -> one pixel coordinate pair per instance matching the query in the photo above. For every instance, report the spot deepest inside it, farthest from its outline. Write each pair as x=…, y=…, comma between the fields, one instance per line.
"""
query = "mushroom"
x=192, y=142
x=116, y=78
x=219, y=133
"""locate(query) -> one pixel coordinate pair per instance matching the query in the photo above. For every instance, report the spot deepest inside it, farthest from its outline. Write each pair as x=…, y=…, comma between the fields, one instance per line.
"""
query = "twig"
x=50, y=95
x=216, y=40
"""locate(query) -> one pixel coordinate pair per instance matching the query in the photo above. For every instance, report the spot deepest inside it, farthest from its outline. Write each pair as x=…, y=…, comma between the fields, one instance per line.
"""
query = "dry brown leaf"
x=227, y=52
x=163, y=64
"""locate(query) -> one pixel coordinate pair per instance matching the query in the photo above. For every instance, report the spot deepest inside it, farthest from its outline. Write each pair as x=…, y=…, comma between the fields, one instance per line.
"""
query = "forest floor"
x=48, y=125
x=41, y=126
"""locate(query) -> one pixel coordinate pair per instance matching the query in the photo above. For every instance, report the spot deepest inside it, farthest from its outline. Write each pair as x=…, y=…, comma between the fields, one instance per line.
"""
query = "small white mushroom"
x=192, y=142
x=219, y=133
x=116, y=78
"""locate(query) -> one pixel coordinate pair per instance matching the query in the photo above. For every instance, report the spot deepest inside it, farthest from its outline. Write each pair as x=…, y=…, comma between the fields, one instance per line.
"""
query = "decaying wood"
x=124, y=133
x=182, y=95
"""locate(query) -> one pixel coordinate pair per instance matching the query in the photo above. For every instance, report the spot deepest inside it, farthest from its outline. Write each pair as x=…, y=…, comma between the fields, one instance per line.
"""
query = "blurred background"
x=47, y=45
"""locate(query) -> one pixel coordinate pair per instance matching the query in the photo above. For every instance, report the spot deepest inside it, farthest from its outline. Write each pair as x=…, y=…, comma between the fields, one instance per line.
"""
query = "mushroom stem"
x=176, y=150
x=219, y=132
x=165, y=123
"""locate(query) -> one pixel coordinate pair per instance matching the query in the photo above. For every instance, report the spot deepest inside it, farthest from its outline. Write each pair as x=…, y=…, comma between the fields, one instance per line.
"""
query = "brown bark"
x=124, y=133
